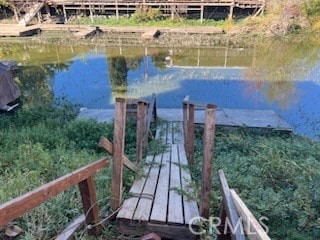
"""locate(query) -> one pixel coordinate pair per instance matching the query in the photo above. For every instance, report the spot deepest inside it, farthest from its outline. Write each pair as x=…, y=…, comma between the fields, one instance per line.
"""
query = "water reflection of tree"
x=118, y=71
x=118, y=68
x=277, y=65
x=36, y=82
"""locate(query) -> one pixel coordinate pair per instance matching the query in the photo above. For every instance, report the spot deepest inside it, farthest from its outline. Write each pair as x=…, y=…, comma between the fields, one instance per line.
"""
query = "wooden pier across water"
x=161, y=201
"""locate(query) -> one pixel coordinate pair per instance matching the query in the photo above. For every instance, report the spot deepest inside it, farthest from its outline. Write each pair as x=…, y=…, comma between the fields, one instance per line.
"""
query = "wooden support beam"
x=232, y=220
x=65, y=14
x=201, y=11
x=107, y=145
x=230, y=17
x=26, y=202
x=90, y=205
x=118, y=151
x=152, y=112
x=190, y=139
x=185, y=119
x=252, y=227
x=207, y=164
x=141, y=129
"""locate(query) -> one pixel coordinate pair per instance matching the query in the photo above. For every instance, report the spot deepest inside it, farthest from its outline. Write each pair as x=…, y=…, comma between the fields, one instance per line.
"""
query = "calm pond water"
x=279, y=76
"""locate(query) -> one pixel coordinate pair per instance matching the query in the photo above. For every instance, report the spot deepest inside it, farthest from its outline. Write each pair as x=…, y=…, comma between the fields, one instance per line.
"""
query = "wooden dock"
x=224, y=117
x=161, y=201
x=150, y=34
x=11, y=30
x=85, y=33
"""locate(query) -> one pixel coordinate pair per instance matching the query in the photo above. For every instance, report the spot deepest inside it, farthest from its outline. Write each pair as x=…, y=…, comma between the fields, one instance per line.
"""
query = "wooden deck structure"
x=9, y=30
x=224, y=117
x=159, y=202
x=25, y=10
x=162, y=201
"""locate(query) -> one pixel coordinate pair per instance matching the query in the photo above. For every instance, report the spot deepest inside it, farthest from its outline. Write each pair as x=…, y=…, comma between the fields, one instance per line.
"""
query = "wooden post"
x=91, y=13
x=16, y=16
x=208, y=144
x=39, y=17
x=117, y=9
x=141, y=129
x=90, y=205
x=185, y=119
x=48, y=10
x=201, y=11
x=118, y=151
x=190, y=134
x=231, y=11
x=173, y=7
x=65, y=14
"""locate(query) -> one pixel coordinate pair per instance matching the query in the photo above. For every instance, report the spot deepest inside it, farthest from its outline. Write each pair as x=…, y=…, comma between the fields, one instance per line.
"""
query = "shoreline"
x=205, y=36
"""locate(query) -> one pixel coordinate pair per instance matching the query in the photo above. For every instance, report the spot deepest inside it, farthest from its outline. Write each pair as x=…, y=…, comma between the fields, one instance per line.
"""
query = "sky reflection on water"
x=87, y=82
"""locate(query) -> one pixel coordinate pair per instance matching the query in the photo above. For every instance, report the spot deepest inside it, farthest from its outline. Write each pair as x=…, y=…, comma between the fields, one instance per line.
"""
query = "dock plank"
x=159, y=210
x=129, y=205
x=170, y=211
x=191, y=209
x=175, y=209
x=143, y=210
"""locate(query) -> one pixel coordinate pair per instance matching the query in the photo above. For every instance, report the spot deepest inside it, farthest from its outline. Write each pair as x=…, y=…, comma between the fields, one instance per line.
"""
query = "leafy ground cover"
x=45, y=142
x=277, y=176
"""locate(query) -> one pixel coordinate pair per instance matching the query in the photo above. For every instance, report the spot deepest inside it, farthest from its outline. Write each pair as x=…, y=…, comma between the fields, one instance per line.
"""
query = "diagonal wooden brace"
x=107, y=145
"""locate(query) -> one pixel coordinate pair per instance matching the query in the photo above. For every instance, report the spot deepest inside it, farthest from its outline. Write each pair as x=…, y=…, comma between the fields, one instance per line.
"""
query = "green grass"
x=127, y=22
x=43, y=143
x=277, y=177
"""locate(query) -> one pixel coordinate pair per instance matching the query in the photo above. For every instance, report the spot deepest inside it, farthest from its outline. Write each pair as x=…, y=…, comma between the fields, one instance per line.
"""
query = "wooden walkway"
x=160, y=201
x=224, y=117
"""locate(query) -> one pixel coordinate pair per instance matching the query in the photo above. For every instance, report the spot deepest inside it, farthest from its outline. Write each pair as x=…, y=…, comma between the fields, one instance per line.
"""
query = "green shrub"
x=312, y=8
x=43, y=143
x=276, y=176
x=147, y=14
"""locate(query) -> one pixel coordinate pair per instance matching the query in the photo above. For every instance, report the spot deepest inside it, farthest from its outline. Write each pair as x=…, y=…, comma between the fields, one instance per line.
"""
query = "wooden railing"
x=241, y=221
x=144, y=115
x=83, y=177
x=16, y=207
x=208, y=142
x=234, y=213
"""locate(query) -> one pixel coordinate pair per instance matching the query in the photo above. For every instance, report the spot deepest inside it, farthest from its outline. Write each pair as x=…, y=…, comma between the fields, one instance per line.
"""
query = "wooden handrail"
x=240, y=219
x=253, y=229
x=229, y=213
x=26, y=202
x=152, y=112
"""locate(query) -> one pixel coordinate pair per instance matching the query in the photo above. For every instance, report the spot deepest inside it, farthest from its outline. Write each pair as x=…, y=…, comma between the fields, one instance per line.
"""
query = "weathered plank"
x=175, y=208
x=71, y=228
x=141, y=129
x=143, y=210
x=231, y=212
x=159, y=209
x=24, y=203
x=207, y=164
x=252, y=227
x=150, y=34
x=191, y=209
x=107, y=145
x=129, y=205
x=118, y=152
x=170, y=133
x=90, y=205
x=85, y=33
